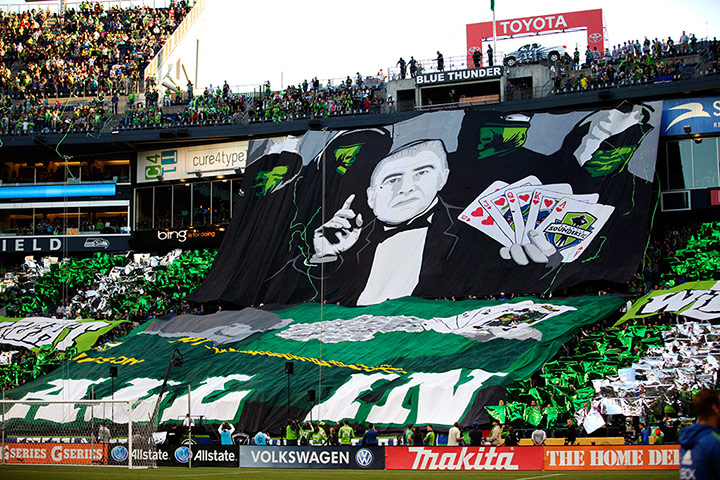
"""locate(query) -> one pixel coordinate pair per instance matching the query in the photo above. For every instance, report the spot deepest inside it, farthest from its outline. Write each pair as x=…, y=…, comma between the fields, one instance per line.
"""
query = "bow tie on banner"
x=386, y=231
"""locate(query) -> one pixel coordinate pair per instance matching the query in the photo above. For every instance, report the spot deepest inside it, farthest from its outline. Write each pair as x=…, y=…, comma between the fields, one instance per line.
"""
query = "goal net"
x=84, y=432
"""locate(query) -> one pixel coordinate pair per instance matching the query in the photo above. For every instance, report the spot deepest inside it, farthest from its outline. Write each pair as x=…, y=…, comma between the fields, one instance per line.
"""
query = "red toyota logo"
x=595, y=37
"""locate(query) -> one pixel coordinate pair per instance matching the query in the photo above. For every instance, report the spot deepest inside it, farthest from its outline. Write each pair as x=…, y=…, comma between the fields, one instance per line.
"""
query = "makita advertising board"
x=464, y=458
x=702, y=115
x=362, y=458
x=637, y=457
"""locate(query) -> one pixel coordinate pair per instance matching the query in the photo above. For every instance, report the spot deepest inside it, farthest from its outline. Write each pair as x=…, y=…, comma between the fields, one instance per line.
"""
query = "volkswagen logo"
x=182, y=454
x=595, y=37
x=364, y=458
x=119, y=453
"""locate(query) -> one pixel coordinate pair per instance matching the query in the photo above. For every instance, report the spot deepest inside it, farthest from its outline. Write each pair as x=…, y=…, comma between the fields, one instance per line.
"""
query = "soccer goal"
x=79, y=432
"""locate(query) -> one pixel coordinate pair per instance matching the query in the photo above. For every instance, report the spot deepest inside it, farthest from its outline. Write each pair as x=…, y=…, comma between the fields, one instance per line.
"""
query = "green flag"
x=492, y=5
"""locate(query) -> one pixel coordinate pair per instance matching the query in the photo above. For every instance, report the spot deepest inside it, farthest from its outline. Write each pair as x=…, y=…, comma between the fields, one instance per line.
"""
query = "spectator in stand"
x=477, y=57
x=413, y=66
x=490, y=57
x=511, y=440
x=644, y=435
x=440, y=62
x=496, y=434
x=403, y=67
x=571, y=437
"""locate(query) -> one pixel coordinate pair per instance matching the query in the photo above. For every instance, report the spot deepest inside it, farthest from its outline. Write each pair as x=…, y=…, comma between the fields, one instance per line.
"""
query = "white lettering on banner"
x=664, y=457
x=225, y=409
x=135, y=389
x=18, y=245
x=566, y=458
x=460, y=75
x=301, y=457
x=140, y=454
x=180, y=235
x=214, y=456
x=427, y=459
x=716, y=106
x=616, y=458
x=440, y=399
x=698, y=304
x=343, y=403
x=551, y=22
x=60, y=389
x=37, y=331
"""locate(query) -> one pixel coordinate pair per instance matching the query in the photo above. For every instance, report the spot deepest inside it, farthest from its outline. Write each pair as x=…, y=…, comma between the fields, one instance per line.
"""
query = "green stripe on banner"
x=402, y=361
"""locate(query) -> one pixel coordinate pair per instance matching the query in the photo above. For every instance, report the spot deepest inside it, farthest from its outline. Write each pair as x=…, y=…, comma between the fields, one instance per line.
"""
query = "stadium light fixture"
x=687, y=129
x=198, y=173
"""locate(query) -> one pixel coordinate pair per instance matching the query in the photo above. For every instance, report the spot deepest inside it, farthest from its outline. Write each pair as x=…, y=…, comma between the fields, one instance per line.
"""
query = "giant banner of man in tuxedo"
x=454, y=203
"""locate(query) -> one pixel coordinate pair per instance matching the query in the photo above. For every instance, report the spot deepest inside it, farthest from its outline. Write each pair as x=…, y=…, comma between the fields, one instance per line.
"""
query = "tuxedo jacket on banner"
x=389, y=261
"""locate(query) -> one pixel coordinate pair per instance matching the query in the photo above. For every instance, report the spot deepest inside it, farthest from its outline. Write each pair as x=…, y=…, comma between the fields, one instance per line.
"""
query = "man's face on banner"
x=404, y=187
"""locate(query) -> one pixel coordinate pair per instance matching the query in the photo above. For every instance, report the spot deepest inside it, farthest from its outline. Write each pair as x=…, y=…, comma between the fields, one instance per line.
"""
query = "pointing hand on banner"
x=338, y=234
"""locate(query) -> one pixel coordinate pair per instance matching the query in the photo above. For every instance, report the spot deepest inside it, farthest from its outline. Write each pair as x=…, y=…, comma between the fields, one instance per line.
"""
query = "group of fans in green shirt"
x=318, y=434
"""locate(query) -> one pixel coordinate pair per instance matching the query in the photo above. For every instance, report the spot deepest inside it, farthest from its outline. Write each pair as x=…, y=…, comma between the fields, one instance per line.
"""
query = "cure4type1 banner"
x=445, y=204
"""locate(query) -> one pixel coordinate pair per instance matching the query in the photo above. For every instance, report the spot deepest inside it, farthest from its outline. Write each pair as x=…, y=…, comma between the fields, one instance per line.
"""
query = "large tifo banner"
x=696, y=300
x=36, y=332
x=445, y=204
x=403, y=361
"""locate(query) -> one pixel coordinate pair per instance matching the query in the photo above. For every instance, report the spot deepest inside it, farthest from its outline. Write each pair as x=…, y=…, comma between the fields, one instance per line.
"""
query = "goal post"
x=76, y=432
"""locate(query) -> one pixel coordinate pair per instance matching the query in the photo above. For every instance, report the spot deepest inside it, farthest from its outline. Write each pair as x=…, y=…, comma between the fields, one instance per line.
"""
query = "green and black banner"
x=402, y=361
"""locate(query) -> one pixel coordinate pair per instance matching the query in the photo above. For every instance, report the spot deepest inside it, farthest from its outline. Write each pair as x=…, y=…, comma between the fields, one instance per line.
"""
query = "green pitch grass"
x=41, y=472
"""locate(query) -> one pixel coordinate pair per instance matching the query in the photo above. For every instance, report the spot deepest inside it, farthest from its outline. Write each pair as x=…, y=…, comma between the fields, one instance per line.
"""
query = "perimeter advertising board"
x=53, y=453
x=177, y=455
x=364, y=458
x=636, y=457
x=464, y=458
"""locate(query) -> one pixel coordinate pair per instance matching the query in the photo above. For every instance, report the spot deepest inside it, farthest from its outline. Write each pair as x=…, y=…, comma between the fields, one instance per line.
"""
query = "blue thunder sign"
x=702, y=115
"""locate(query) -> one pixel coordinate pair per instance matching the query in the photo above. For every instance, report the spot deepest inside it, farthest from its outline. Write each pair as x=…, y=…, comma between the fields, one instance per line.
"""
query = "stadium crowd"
x=634, y=63
x=90, y=51
x=81, y=52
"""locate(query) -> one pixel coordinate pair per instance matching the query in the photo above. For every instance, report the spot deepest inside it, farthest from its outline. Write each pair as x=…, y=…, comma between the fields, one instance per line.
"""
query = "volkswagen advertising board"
x=362, y=458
